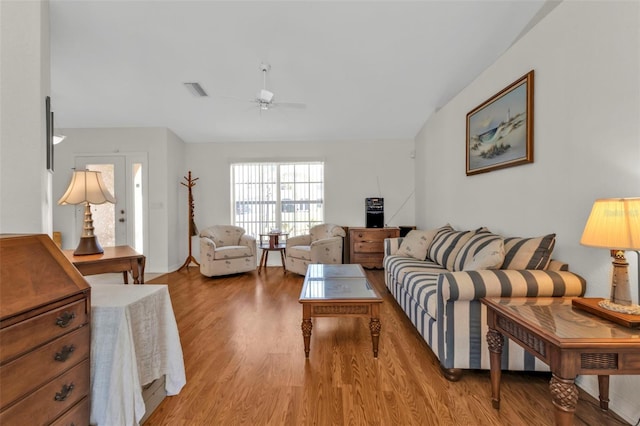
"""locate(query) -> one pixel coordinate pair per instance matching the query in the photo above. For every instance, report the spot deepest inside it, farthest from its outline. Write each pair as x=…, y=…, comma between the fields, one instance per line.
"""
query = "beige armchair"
x=225, y=250
x=322, y=245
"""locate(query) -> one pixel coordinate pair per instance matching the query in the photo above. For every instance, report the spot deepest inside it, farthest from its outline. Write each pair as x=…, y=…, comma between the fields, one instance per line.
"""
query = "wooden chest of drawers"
x=45, y=333
x=367, y=245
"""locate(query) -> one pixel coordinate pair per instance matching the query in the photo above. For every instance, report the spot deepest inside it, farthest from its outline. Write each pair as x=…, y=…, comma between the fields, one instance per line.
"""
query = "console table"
x=114, y=259
x=570, y=341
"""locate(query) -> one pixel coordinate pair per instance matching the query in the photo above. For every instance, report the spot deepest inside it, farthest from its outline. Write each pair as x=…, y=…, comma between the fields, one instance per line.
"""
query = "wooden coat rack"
x=193, y=231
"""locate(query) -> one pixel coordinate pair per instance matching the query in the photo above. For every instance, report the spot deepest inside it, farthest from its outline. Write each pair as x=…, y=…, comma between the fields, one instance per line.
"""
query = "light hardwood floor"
x=245, y=365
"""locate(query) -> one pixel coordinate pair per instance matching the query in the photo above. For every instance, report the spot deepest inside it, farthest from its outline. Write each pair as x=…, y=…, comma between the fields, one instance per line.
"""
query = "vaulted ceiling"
x=365, y=70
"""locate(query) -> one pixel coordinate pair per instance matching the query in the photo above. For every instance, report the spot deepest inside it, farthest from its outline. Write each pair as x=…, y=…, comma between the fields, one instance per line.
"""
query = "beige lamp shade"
x=614, y=223
x=86, y=186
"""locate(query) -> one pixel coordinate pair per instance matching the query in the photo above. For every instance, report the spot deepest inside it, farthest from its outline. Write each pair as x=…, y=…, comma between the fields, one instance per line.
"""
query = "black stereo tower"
x=375, y=212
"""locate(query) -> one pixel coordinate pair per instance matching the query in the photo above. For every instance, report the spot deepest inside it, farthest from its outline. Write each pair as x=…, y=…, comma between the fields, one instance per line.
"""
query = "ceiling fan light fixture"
x=196, y=89
x=265, y=96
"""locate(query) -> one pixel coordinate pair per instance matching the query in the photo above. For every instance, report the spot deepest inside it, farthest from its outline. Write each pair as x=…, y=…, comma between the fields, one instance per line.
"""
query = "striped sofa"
x=443, y=303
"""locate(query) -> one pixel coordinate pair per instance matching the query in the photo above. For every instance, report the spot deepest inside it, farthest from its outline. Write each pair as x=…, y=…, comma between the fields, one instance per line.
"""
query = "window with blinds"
x=285, y=196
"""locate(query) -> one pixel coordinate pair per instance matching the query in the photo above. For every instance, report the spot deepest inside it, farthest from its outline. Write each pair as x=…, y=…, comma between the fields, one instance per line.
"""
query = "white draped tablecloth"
x=134, y=340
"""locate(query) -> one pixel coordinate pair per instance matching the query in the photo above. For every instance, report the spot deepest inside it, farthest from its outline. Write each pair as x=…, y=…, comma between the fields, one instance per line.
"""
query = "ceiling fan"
x=265, y=99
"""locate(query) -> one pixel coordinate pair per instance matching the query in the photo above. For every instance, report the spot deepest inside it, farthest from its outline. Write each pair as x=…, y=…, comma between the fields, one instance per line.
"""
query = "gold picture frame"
x=500, y=130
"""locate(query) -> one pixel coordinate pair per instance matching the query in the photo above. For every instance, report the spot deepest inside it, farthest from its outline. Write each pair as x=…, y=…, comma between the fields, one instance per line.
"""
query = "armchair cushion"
x=300, y=252
x=232, y=252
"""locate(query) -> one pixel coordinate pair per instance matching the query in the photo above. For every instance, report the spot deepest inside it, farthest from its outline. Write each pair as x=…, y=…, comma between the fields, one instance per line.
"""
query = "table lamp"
x=614, y=223
x=87, y=187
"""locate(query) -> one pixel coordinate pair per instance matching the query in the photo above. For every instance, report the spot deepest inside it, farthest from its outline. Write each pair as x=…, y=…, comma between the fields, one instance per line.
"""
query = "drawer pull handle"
x=64, y=392
x=64, y=355
x=65, y=319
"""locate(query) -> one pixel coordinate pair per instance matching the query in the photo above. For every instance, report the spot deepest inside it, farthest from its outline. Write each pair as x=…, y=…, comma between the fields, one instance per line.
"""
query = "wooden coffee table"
x=339, y=290
x=570, y=341
x=114, y=259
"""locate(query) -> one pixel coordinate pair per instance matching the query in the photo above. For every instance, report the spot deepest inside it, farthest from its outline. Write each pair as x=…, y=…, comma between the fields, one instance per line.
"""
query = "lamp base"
x=88, y=245
x=592, y=305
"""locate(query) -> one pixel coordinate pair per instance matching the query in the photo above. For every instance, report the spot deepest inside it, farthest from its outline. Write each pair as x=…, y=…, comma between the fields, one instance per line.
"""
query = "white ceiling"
x=366, y=70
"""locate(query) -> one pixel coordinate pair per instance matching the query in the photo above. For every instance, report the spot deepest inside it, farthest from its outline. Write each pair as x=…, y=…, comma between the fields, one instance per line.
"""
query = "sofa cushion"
x=422, y=288
x=490, y=256
x=446, y=245
x=399, y=266
x=528, y=253
x=419, y=279
x=484, y=250
x=416, y=244
x=232, y=252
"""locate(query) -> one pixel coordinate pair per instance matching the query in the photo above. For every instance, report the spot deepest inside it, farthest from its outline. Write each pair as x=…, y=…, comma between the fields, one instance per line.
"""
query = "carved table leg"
x=564, y=395
x=495, y=340
x=306, y=328
x=375, y=326
x=603, y=387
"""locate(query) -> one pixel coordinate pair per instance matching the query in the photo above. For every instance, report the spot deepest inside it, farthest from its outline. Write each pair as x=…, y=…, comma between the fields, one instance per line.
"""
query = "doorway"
x=122, y=223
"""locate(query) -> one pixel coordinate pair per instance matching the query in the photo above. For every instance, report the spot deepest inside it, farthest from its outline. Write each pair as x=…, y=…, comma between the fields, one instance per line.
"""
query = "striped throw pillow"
x=528, y=253
x=484, y=250
x=446, y=245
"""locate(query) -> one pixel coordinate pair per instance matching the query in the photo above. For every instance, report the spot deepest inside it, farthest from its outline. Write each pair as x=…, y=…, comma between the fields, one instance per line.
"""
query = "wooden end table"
x=114, y=259
x=339, y=290
x=570, y=341
x=272, y=242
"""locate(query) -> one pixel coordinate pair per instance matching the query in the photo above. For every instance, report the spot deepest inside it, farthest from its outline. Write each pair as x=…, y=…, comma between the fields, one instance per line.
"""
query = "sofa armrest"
x=391, y=245
x=474, y=285
x=300, y=240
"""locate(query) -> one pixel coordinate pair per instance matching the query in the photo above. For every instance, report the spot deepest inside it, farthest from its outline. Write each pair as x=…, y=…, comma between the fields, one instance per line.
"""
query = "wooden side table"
x=272, y=242
x=114, y=259
x=570, y=341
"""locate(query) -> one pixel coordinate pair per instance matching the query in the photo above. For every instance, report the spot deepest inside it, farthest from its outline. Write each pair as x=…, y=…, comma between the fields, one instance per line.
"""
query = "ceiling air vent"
x=196, y=89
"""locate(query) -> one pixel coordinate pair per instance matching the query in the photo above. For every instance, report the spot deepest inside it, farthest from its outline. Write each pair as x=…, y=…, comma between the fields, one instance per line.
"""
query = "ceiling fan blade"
x=290, y=104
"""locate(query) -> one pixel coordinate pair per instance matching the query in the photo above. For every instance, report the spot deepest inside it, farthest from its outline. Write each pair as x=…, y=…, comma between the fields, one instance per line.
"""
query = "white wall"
x=353, y=172
x=24, y=84
x=177, y=197
x=586, y=57
x=165, y=156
